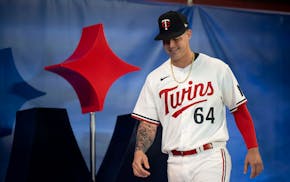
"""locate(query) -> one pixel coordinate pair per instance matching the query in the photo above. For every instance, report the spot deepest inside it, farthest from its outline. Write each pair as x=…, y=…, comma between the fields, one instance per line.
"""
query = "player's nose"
x=170, y=43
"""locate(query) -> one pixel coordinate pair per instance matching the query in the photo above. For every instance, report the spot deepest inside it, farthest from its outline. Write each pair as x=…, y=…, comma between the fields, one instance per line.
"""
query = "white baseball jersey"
x=191, y=113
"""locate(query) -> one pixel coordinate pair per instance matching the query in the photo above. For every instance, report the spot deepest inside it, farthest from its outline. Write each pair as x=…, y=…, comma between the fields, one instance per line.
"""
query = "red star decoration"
x=92, y=68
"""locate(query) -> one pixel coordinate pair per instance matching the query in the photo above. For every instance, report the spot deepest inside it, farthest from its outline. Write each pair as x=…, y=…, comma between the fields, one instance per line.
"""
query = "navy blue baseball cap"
x=171, y=24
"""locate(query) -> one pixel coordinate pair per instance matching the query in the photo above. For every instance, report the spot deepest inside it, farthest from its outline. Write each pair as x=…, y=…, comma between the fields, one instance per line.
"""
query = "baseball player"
x=188, y=95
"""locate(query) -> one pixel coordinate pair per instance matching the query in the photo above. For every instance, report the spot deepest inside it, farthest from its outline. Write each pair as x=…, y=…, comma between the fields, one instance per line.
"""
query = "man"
x=187, y=95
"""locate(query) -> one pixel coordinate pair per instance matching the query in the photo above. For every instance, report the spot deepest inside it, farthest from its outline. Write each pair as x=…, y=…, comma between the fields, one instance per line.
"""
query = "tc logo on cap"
x=165, y=24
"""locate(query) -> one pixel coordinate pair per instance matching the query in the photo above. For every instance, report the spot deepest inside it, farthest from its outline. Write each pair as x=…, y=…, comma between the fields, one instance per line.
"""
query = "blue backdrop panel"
x=254, y=44
x=14, y=91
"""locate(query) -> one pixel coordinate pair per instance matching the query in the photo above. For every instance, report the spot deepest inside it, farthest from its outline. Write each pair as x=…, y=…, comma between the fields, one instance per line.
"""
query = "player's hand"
x=253, y=159
x=140, y=164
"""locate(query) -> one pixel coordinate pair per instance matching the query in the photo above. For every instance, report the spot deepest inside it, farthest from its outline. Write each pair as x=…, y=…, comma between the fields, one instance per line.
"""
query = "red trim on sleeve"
x=246, y=126
x=141, y=119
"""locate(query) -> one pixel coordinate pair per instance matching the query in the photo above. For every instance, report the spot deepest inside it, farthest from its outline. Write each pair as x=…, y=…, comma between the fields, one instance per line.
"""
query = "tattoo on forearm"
x=145, y=136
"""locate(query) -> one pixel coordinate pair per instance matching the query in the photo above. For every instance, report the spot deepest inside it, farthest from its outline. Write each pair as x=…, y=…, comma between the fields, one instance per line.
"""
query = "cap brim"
x=167, y=36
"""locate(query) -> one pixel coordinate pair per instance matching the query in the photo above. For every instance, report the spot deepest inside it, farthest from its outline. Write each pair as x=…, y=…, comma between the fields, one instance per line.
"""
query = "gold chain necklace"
x=172, y=72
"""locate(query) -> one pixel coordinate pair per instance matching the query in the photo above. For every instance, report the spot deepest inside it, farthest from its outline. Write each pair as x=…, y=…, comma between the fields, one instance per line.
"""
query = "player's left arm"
x=245, y=125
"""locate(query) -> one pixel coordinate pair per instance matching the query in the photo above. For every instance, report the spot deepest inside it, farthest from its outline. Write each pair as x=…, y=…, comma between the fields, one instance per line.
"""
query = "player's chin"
x=175, y=55
x=174, y=52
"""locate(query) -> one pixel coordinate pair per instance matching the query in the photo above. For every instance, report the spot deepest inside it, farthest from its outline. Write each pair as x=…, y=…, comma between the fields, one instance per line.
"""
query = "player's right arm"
x=145, y=136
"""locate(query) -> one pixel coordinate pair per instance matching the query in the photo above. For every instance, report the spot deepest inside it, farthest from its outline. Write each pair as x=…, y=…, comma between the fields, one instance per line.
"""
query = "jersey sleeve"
x=145, y=108
x=232, y=94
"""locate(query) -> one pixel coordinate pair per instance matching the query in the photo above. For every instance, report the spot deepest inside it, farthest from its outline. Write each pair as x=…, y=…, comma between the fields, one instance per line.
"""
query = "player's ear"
x=189, y=33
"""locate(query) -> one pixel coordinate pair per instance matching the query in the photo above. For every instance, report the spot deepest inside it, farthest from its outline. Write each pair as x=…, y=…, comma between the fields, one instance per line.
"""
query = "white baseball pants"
x=212, y=165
